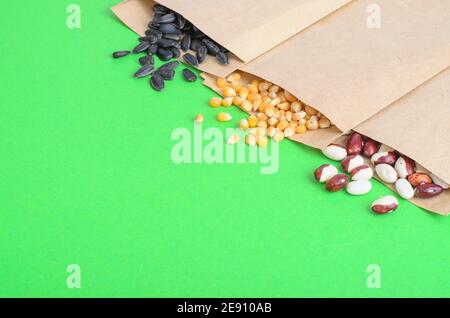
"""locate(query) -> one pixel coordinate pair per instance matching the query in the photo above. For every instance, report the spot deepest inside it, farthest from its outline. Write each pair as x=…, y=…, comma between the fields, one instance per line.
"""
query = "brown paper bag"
x=248, y=28
x=349, y=71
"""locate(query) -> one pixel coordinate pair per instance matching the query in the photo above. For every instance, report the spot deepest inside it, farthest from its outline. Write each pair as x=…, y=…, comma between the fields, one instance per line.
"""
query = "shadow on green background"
x=87, y=179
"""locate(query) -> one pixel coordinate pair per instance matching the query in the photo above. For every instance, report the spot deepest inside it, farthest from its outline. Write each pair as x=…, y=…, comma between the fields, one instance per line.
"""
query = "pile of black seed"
x=167, y=35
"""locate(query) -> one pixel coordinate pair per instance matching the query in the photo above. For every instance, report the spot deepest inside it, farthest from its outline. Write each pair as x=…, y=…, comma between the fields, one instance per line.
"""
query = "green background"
x=86, y=178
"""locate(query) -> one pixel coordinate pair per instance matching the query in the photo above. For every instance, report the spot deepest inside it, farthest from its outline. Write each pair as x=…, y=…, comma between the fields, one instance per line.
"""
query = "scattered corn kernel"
x=199, y=119
x=301, y=129
x=234, y=139
x=296, y=107
x=271, y=131
x=250, y=140
x=289, y=132
x=282, y=125
x=243, y=124
x=247, y=105
x=228, y=92
x=243, y=92
x=227, y=102
x=253, y=89
x=279, y=136
x=312, y=124
x=290, y=98
x=252, y=121
x=324, y=123
x=215, y=102
x=310, y=111
x=234, y=77
x=221, y=82
x=253, y=96
x=262, y=124
x=261, y=141
x=237, y=100
x=223, y=117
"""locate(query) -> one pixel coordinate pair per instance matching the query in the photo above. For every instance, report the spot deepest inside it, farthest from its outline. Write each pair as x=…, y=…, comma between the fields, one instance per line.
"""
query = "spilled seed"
x=190, y=59
x=157, y=82
x=189, y=75
x=120, y=54
x=144, y=71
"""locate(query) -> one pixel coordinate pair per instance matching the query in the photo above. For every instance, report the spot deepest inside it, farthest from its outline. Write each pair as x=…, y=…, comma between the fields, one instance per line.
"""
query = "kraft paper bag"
x=349, y=71
x=248, y=28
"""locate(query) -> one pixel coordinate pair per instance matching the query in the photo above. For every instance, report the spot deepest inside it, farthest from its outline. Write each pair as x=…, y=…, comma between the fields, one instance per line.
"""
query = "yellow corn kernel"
x=269, y=111
x=262, y=107
x=274, y=89
x=253, y=131
x=288, y=116
x=234, y=77
x=279, y=136
x=243, y=92
x=290, y=98
x=272, y=121
x=289, y=132
x=264, y=94
x=224, y=117
x=252, y=121
x=247, y=105
x=282, y=125
x=234, y=139
x=215, y=102
x=253, y=89
x=275, y=102
x=236, y=86
x=227, y=102
x=263, y=86
x=261, y=141
x=271, y=131
x=324, y=123
x=228, y=92
x=262, y=124
x=299, y=115
x=250, y=140
x=261, y=131
x=301, y=129
x=312, y=124
x=199, y=119
x=256, y=104
x=273, y=96
x=261, y=116
x=284, y=106
x=237, y=100
x=310, y=111
x=221, y=82
x=281, y=96
x=243, y=124
x=253, y=96
x=302, y=121
x=296, y=106
x=256, y=82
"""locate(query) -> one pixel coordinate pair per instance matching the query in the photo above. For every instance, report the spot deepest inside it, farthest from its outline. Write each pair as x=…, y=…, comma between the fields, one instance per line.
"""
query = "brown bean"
x=354, y=144
x=336, y=183
x=426, y=191
x=417, y=179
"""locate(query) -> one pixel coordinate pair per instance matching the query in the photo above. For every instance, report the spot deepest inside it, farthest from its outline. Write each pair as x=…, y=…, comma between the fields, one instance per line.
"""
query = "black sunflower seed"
x=157, y=82
x=164, y=54
x=186, y=43
x=189, y=75
x=144, y=71
x=141, y=47
x=181, y=21
x=154, y=32
x=222, y=57
x=169, y=66
x=166, y=18
x=153, y=49
x=160, y=9
x=195, y=44
x=199, y=35
x=120, y=54
x=166, y=74
x=212, y=48
x=169, y=28
x=187, y=26
x=190, y=59
x=175, y=52
x=166, y=43
x=201, y=54
x=148, y=59
x=173, y=37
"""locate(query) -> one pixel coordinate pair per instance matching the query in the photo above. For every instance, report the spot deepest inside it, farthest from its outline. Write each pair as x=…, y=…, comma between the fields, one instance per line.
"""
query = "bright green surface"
x=87, y=178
